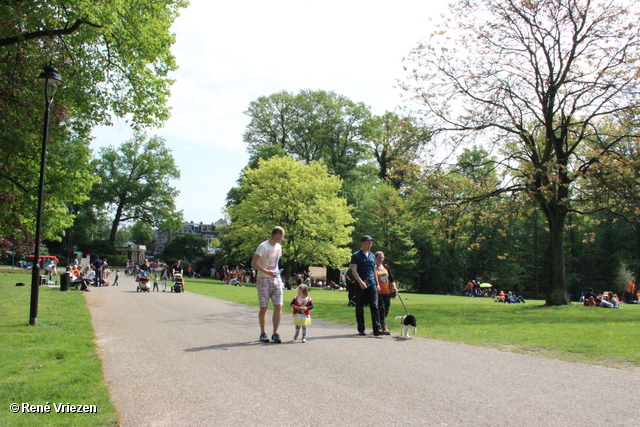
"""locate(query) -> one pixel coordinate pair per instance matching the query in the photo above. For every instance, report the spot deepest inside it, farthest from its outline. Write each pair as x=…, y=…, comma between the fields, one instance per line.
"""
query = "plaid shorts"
x=269, y=288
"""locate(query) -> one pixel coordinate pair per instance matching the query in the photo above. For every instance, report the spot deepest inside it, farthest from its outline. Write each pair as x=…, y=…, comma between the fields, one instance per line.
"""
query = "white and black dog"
x=407, y=322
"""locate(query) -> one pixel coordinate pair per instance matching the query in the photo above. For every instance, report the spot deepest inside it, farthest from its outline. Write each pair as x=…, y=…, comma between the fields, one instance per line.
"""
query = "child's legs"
x=304, y=332
x=295, y=337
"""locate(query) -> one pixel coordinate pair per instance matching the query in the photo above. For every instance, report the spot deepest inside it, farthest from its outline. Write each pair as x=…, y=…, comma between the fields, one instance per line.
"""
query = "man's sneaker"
x=275, y=338
x=362, y=333
x=264, y=338
x=304, y=340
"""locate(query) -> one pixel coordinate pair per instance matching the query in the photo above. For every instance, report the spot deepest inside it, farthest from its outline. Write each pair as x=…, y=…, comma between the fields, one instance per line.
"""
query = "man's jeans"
x=369, y=295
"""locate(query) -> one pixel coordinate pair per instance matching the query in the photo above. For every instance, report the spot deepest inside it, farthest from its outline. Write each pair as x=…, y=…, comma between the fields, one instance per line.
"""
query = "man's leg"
x=277, y=315
x=263, y=302
x=262, y=317
x=373, y=306
x=359, y=300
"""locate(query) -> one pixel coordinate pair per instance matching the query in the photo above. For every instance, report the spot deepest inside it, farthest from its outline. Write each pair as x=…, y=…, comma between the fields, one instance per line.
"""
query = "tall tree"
x=534, y=77
x=135, y=182
x=116, y=59
x=142, y=233
x=301, y=198
x=397, y=146
x=310, y=126
x=384, y=214
x=185, y=247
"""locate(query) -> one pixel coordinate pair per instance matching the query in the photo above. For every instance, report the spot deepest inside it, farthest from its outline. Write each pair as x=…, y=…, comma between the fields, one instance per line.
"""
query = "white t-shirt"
x=269, y=256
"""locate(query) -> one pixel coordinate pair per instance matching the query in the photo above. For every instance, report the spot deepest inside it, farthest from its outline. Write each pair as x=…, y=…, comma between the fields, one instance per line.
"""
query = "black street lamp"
x=50, y=80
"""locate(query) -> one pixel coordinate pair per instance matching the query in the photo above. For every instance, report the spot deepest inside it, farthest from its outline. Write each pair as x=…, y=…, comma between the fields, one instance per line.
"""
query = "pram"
x=178, y=285
x=143, y=283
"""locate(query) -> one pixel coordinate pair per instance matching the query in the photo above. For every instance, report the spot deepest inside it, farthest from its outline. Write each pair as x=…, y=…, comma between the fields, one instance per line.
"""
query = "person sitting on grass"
x=606, y=301
x=514, y=299
x=613, y=299
x=590, y=302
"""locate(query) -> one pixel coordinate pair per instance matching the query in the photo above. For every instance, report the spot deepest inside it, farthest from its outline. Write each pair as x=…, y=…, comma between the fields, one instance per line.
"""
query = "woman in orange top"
x=388, y=290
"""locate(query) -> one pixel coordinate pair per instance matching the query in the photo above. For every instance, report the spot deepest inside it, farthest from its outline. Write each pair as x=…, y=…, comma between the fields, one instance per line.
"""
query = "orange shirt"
x=383, y=280
x=632, y=287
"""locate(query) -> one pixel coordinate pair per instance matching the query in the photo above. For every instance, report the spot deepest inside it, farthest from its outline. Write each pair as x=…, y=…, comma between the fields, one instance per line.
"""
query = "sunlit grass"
x=55, y=361
x=574, y=333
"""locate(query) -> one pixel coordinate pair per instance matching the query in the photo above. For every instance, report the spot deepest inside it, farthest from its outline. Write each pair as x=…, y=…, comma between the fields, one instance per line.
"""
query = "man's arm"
x=354, y=270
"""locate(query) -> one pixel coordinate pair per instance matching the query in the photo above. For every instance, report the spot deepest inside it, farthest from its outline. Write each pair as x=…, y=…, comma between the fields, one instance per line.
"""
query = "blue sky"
x=230, y=53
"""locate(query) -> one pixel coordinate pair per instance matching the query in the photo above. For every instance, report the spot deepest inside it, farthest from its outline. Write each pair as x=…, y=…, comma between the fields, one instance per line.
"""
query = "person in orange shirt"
x=470, y=288
x=387, y=291
x=631, y=291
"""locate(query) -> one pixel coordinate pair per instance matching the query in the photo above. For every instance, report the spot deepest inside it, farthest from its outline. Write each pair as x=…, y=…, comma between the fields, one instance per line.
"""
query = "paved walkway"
x=189, y=360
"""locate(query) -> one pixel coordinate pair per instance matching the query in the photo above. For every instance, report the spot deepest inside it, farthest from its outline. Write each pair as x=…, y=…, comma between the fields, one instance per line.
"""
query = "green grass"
x=54, y=361
x=573, y=333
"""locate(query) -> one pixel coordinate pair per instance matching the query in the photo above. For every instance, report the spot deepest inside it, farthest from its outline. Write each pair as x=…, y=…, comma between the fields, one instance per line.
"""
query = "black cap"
x=366, y=238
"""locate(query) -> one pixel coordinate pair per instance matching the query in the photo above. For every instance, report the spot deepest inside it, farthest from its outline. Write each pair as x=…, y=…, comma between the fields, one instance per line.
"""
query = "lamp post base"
x=35, y=289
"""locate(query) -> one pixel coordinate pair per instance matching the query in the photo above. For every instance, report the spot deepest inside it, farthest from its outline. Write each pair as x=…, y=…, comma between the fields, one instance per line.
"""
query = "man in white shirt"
x=269, y=284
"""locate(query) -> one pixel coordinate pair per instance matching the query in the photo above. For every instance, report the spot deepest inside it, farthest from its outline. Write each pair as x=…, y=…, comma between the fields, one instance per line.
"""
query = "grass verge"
x=53, y=362
x=573, y=333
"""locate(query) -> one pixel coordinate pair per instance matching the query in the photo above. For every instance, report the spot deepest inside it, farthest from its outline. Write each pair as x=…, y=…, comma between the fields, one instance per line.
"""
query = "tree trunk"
x=115, y=224
x=556, y=282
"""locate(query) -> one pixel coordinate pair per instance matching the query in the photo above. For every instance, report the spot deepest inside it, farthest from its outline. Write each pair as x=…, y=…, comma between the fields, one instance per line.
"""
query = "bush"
x=624, y=276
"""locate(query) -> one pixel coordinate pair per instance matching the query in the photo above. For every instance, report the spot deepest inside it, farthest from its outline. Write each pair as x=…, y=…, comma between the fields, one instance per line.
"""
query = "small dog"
x=407, y=322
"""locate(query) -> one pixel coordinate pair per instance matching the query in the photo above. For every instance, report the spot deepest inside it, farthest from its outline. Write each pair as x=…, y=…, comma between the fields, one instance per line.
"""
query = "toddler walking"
x=302, y=306
x=155, y=283
x=115, y=282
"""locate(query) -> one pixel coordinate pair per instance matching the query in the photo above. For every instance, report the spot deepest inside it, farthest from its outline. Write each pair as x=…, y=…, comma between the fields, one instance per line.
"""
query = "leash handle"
x=405, y=308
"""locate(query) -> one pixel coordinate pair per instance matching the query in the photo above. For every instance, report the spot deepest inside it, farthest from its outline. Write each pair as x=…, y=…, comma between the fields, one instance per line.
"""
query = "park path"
x=189, y=360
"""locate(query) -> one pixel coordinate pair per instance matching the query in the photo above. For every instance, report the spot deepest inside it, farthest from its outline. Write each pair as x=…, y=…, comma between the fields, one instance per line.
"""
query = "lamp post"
x=50, y=80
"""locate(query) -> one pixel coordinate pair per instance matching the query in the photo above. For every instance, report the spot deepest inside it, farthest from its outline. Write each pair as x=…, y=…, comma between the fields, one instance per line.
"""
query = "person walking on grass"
x=363, y=266
x=269, y=284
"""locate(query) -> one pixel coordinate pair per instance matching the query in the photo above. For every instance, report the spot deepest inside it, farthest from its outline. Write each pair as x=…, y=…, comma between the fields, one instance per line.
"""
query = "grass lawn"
x=52, y=362
x=574, y=333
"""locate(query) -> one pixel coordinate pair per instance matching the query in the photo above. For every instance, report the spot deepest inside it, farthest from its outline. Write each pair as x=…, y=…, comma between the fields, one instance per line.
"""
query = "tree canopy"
x=115, y=57
x=135, y=183
x=185, y=247
x=535, y=79
x=310, y=125
x=301, y=198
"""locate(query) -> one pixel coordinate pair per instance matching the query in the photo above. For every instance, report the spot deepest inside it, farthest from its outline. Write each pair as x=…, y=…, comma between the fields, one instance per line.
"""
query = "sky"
x=231, y=53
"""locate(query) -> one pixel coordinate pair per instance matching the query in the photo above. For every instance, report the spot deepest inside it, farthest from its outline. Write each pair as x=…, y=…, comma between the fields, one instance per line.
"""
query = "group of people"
x=605, y=300
x=167, y=273
x=375, y=286
x=509, y=298
x=91, y=276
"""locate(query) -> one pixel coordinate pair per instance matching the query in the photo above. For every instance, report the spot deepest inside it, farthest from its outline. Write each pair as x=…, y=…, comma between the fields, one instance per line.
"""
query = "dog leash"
x=405, y=308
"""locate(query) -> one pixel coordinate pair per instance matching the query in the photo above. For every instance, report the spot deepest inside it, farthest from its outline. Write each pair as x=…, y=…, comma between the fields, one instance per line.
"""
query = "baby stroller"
x=178, y=285
x=143, y=283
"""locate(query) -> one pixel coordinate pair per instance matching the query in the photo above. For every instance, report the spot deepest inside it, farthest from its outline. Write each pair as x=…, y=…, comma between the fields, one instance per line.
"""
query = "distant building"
x=134, y=253
x=207, y=231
